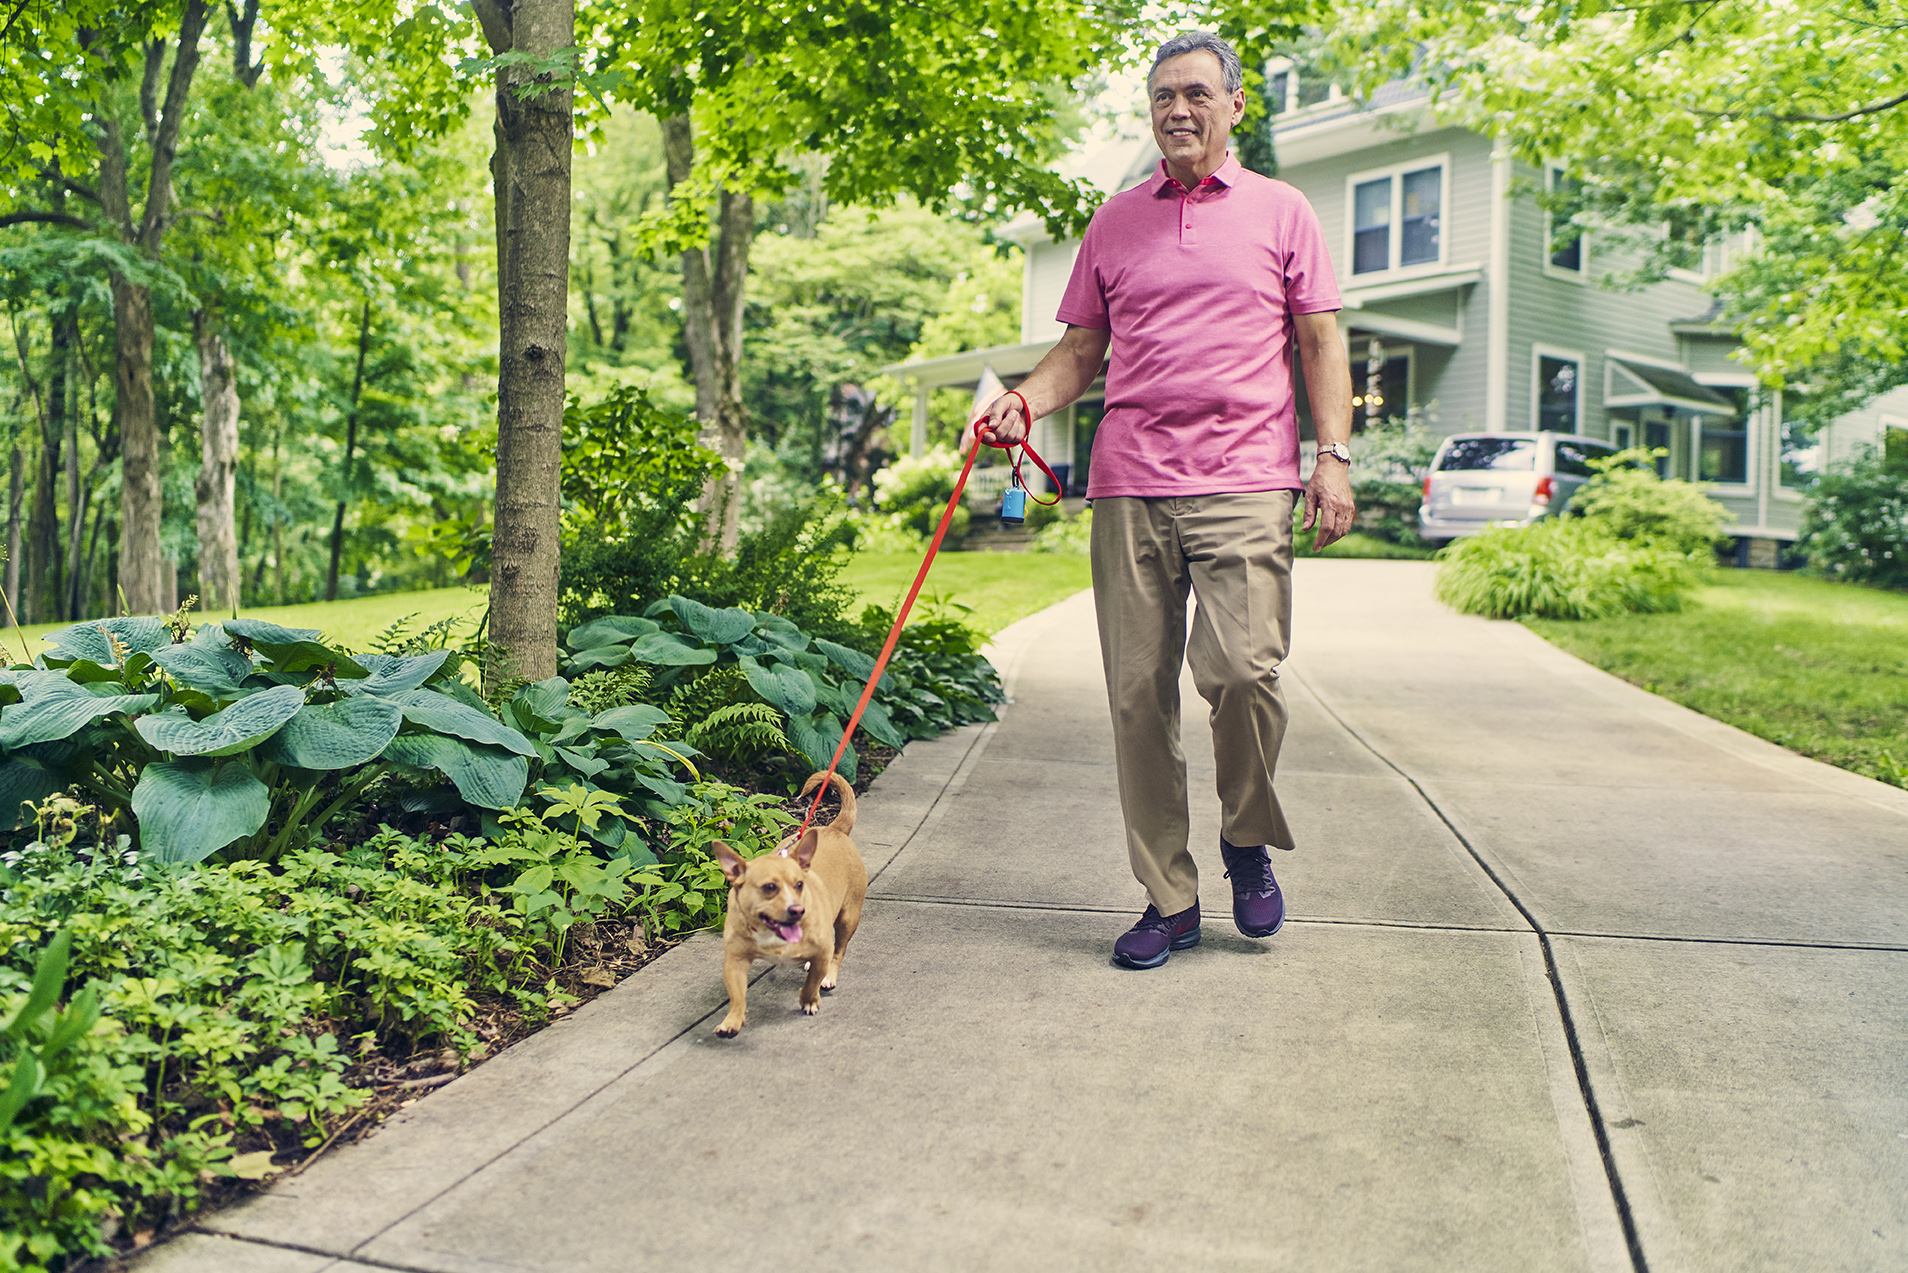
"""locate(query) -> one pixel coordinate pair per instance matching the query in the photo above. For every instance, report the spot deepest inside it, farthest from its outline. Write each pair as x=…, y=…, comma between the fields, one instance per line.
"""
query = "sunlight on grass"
x=1001, y=587
x=348, y=623
x=1818, y=667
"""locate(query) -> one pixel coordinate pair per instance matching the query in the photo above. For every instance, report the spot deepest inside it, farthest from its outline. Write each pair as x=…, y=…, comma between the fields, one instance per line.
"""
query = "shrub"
x=1856, y=525
x=1390, y=461
x=916, y=490
x=1627, y=500
x=1073, y=536
x=877, y=532
x=1567, y=569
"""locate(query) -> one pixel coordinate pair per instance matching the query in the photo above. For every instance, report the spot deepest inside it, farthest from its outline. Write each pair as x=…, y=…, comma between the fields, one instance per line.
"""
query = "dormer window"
x=1397, y=217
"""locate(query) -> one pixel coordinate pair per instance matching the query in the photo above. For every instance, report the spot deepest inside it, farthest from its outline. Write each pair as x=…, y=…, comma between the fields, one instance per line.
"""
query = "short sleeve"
x=1084, y=302
x=1310, y=285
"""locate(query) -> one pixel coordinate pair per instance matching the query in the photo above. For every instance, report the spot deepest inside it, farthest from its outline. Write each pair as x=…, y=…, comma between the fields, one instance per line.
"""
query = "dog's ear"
x=732, y=864
x=805, y=847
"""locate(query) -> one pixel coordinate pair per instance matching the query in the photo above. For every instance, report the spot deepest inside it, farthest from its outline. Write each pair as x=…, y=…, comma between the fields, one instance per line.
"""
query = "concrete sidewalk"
x=1574, y=979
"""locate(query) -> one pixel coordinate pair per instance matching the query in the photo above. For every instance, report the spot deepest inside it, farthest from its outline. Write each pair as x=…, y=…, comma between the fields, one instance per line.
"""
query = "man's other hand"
x=1328, y=502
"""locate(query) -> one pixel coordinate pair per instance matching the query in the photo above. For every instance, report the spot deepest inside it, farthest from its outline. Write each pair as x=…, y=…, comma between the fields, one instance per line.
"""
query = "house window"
x=1564, y=240
x=1559, y=392
x=1656, y=436
x=1802, y=451
x=1278, y=92
x=1723, y=444
x=1895, y=445
x=1685, y=249
x=1409, y=198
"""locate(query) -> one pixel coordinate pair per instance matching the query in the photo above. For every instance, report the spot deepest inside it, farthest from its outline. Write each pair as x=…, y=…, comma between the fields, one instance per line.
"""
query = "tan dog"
x=800, y=902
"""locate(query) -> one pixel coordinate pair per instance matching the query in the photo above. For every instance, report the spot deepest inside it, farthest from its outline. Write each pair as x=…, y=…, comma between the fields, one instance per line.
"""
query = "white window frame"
x=1540, y=352
x=1395, y=240
x=1776, y=487
x=1752, y=441
x=1552, y=270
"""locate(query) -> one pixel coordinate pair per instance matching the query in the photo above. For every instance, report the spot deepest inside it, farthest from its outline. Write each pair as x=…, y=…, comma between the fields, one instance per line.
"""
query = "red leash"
x=920, y=577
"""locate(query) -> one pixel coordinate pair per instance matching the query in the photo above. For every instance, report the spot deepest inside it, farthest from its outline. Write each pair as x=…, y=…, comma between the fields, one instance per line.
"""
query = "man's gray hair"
x=1203, y=42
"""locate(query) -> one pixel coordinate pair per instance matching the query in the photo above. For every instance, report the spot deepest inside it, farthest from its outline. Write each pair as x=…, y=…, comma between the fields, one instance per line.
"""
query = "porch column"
x=917, y=439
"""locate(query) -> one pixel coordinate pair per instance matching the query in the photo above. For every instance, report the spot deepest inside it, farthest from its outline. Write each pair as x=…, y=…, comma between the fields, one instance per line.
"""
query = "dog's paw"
x=811, y=1008
x=828, y=983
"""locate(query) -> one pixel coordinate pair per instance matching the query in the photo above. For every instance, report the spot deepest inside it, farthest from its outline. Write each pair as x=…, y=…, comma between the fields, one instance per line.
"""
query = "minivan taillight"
x=1427, y=488
x=1546, y=487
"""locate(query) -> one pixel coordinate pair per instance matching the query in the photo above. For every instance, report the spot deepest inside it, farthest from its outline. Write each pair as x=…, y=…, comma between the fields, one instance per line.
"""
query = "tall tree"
x=533, y=43
x=1707, y=119
x=953, y=104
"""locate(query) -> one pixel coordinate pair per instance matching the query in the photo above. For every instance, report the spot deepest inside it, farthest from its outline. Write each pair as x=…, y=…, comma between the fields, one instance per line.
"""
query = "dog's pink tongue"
x=787, y=932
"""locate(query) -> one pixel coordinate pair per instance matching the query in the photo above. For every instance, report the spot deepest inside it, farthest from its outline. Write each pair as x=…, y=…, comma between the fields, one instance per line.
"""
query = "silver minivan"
x=1479, y=479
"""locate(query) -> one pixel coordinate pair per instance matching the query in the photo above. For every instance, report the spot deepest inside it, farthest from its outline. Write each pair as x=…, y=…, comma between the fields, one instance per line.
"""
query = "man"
x=1202, y=281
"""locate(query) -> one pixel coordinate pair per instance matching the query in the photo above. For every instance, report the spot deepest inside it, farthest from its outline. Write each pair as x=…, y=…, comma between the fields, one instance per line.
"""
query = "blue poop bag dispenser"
x=1013, y=504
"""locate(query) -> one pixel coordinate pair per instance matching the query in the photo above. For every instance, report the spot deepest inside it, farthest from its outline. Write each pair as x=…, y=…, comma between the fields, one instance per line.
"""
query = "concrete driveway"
x=1574, y=979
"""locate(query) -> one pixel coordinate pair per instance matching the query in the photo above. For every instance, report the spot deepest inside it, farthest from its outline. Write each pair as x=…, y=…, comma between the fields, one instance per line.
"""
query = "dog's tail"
x=845, y=820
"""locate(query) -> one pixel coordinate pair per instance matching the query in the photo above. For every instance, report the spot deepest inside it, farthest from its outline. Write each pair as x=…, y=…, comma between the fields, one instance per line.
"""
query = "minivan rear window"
x=1573, y=458
x=1490, y=453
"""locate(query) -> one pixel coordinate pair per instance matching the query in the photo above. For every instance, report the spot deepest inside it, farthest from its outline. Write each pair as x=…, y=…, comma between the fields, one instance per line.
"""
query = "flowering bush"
x=1856, y=527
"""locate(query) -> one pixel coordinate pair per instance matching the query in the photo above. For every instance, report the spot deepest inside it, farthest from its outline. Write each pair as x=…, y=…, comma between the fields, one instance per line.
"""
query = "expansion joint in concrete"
x=1618, y=1194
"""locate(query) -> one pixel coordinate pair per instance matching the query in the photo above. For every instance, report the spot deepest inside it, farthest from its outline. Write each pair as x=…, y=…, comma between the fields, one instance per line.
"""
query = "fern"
x=739, y=733
x=600, y=691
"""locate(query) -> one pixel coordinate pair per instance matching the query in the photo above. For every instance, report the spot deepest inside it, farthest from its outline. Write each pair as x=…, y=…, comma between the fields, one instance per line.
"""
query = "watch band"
x=1338, y=451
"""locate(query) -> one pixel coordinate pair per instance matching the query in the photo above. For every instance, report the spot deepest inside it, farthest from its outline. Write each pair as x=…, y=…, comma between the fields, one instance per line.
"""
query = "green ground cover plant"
x=1818, y=667
x=1856, y=525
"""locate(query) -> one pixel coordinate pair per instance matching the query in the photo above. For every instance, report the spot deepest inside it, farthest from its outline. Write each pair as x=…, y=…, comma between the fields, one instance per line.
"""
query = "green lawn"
x=1821, y=668
x=1000, y=587
x=351, y=623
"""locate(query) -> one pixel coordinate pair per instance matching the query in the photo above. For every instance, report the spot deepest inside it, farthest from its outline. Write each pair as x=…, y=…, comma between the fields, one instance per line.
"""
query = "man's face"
x=1193, y=115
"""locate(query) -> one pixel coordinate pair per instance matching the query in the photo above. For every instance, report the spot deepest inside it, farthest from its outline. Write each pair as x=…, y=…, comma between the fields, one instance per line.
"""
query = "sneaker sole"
x=1263, y=932
x=1186, y=942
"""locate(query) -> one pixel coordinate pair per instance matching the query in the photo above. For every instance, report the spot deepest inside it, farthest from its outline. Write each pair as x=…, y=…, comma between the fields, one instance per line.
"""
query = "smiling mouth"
x=787, y=929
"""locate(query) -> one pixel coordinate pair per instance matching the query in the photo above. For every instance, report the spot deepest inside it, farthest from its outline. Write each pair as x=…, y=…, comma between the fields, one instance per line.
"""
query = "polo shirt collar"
x=1226, y=175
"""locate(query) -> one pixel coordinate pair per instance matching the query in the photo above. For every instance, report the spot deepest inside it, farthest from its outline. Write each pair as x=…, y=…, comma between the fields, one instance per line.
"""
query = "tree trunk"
x=141, y=563
x=218, y=471
x=351, y=451
x=532, y=173
x=16, y=496
x=712, y=300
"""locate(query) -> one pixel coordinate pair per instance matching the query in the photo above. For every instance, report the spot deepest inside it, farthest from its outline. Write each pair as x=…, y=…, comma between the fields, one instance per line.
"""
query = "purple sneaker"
x=1148, y=943
x=1258, y=908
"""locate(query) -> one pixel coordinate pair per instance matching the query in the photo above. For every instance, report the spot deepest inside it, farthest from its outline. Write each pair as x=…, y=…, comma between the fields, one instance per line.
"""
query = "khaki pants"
x=1234, y=553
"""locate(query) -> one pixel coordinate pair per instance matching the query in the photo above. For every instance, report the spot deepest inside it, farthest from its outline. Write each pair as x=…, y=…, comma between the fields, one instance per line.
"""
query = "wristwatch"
x=1338, y=451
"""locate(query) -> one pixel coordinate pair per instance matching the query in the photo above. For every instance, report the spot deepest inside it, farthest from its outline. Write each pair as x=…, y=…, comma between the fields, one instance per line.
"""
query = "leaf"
x=253, y=1166
x=49, y=975
x=718, y=627
x=394, y=674
x=583, y=762
x=638, y=720
x=258, y=632
x=617, y=629
x=787, y=689
x=448, y=716
x=218, y=672
x=780, y=632
x=815, y=737
x=669, y=650
x=23, y=781
x=240, y=727
x=545, y=698
x=485, y=777
x=190, y=809
x=29, y=1076
x=52, y=707
x=600, y=656
x=874, y=719
x=853, y=662
x=139, y=635
x=351, y=731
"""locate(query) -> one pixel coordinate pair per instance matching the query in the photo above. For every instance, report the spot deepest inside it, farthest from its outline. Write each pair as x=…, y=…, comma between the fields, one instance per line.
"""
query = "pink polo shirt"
x=1198, y=288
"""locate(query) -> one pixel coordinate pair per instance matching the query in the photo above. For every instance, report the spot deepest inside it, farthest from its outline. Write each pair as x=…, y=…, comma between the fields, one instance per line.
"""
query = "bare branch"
x=47, y=218
x=83, y=191
x=1802, y=118
x=242, y=25
x=216, y=217
x=165, y=143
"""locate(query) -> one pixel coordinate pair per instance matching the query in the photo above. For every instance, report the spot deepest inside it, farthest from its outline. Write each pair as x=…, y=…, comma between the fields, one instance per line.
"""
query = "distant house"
x=1458, y=297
